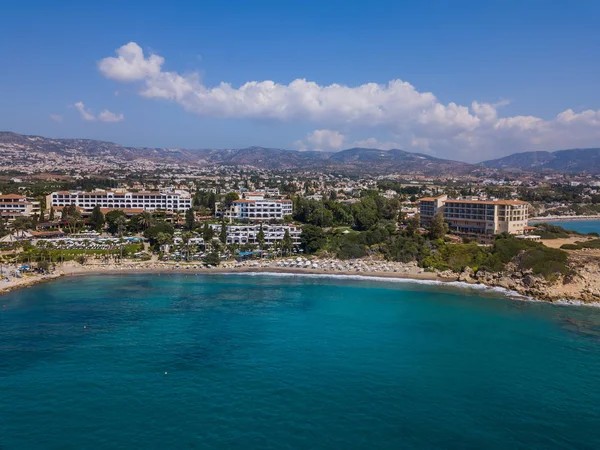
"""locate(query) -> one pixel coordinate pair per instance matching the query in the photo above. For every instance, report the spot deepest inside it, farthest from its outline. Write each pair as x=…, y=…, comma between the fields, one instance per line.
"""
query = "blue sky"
x=530, y=66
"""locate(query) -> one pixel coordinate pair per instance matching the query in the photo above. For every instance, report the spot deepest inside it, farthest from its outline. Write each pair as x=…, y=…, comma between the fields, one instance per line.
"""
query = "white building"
x=120, y=199
x=260, y=209
x=247, y=234
x=14, y=205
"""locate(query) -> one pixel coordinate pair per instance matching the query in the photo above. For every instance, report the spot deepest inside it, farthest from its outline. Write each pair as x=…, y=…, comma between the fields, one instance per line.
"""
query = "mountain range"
x=569, y=161
x=359, y=160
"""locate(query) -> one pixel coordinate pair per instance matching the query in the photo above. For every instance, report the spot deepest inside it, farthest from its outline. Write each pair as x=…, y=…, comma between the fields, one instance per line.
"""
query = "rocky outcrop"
x=583, y=284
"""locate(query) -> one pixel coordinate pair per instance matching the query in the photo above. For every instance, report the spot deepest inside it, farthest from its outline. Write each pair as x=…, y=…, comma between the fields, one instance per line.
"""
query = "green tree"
x=223, y=232
x=51, y=215
x=212, y=259
x=438, y=227
x=287, y=244
x=159, y=227
x=260, y=237
x=163, y=239
x=96, y=219
x=207, y=234
x=312, y=239
x=212, y=201
x=190, y=219
x=412, y=226
x=145, y=220
x=111, y=219
x=185, y=238
x=21, y=224
x=229, y=198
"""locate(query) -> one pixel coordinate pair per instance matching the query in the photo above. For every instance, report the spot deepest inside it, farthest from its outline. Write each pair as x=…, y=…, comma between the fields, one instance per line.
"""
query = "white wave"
x=456, y=284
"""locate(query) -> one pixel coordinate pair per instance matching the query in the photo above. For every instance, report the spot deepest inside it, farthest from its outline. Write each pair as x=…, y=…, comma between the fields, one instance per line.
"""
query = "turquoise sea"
x=581, y=226
x=257, y=362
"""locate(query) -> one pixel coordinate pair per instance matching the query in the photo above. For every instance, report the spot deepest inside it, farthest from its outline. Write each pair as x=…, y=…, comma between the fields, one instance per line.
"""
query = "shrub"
x=570, y=247
x=351, y=250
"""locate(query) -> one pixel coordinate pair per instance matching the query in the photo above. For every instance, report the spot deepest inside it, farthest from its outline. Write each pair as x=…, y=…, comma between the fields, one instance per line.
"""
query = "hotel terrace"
x=119, y=199
x=477, y=216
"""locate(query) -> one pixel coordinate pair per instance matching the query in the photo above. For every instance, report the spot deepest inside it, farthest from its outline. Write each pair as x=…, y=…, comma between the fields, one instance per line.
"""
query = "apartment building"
x=247, y=234
x=259, y=209
x=120, y=199
x=477, y=216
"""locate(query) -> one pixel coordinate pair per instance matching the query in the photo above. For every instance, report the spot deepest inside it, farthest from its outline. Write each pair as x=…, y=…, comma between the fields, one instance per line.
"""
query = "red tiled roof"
x=11, y=196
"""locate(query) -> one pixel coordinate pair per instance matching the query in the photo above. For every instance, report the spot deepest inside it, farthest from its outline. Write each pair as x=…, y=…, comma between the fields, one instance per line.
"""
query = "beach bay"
x=262, y=361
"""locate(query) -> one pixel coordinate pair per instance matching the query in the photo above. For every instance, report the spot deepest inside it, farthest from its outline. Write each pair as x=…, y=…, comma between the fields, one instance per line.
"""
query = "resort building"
x=120, y=199
x=477, y=216
x=14, y=205
x=259, y=209
x=247, y=234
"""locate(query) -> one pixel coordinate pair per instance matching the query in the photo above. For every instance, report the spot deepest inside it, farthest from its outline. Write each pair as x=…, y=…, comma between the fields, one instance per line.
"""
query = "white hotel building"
x=247, y=234
x=119, y=199
x=259, y=209
x=14, y=205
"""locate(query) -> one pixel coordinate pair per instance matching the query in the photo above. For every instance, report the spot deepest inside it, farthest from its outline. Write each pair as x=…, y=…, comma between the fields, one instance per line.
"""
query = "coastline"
x=562, y=218
x=410, y=273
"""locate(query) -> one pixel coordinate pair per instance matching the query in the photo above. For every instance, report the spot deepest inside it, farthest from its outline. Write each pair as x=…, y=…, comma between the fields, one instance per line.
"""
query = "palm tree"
x=146, y=220
x=120, y=226
x=185, y=237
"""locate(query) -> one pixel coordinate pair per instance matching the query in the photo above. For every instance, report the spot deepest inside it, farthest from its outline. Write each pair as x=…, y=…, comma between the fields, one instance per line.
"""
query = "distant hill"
x=365, y=160
x=573, y=161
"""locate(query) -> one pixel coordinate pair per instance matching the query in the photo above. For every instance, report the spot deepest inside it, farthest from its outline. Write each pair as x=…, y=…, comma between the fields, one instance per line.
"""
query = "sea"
x=581, y=226
x=259, y=361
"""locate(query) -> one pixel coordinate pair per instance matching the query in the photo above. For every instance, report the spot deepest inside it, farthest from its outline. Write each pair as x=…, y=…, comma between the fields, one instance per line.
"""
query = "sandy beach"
x=289, y=265
x=572, y=293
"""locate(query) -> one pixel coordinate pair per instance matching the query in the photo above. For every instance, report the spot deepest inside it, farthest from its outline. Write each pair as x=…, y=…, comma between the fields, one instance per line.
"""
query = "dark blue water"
x=581, y=226
x=184, y=361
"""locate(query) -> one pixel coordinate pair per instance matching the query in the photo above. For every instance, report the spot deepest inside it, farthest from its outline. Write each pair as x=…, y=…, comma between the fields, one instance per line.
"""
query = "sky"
x=465, y=80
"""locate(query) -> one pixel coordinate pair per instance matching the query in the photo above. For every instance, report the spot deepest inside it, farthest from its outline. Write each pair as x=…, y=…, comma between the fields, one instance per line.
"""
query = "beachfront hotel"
x=477, y=216
x=259, y=209
x=14, y=205
x=248, y=234
x=175, y=201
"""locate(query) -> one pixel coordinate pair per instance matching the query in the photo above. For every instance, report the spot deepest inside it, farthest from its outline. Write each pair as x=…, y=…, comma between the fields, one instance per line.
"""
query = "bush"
x=548, y=262
x=351, y=250
x=570, y=247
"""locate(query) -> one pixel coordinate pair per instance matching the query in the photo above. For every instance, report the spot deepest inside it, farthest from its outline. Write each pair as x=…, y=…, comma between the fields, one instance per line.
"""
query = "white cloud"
x=85, y=113
x=130, y=64
x=417, y=119
x=104, y=116
x=375, y=143
x=330, y=140
x=56, y=117
x=323, y=140
x=108, y=116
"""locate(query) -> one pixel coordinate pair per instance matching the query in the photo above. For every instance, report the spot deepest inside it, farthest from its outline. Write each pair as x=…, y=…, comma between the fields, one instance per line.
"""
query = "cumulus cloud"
x=418, y=119
x=56, y=117
x=130, y=64
x=322, y=140
x=104, y=116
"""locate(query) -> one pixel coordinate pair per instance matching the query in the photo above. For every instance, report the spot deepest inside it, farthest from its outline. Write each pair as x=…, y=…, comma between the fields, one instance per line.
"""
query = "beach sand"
x=329, y=267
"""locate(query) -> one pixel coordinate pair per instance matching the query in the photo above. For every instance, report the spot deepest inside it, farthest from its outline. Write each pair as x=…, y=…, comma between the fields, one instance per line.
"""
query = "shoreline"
x=419, y=277
x=562, y=219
